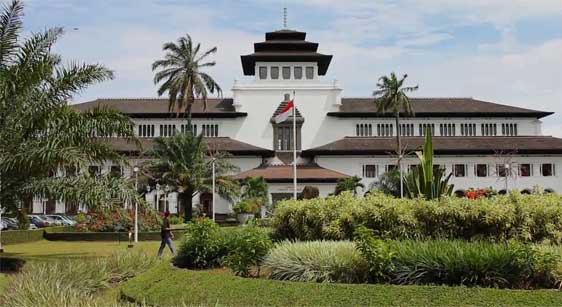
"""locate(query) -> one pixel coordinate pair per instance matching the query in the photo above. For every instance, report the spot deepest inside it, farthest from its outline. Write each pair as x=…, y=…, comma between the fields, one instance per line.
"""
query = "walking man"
x=166, y=235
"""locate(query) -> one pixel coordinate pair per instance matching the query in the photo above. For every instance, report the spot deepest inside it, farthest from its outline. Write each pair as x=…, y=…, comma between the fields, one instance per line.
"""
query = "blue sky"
x=506, y=51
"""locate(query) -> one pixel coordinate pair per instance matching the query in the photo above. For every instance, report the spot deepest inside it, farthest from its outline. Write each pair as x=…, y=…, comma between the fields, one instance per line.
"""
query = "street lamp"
x=136, y=172
x=157, y=197
x=1, y=224
x=213, y=199
x=507, y=170
x=166, y=206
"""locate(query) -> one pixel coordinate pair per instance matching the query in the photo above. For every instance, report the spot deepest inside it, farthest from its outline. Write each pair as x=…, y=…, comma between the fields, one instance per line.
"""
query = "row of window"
x=505, y=170
x=366, y=129
x=480, y=170
x=287, y=72
x=167, y=130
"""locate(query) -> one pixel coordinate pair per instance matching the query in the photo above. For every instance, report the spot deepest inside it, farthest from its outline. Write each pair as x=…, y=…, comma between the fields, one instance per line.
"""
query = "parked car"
x=10, y=223
x=63, y=219
x=52, y=221
x=38, y=221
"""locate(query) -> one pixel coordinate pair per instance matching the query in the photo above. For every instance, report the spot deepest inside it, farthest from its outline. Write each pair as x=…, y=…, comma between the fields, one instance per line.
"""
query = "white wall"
x=353, y=165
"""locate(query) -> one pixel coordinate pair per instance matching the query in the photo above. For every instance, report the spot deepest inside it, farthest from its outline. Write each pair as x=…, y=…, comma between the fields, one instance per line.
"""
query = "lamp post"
x=157, y=197
x=1, y=224
x=136, y=171
x=214, y=184
x=507, y=170
x=166, y=191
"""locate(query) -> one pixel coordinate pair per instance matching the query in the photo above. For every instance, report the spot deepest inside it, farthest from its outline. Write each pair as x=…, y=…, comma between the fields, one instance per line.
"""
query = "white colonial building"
x=483, y=144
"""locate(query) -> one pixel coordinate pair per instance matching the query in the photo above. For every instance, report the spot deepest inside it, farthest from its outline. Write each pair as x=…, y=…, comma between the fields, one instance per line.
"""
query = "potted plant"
x=246, y=209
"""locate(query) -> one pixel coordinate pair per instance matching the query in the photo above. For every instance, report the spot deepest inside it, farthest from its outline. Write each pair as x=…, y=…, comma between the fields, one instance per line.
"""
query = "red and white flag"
x=285, y=112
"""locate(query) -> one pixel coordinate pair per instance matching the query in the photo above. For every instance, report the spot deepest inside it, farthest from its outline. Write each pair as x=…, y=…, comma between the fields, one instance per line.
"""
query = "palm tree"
x=39, y=132
x=184, y=80
x=255, y=187
x=182, y=162
x=348, y=184
x=392, y=95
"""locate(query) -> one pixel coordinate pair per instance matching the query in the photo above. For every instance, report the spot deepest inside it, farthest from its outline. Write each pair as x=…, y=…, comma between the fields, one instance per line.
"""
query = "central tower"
x=283, y=65
x=285, y=55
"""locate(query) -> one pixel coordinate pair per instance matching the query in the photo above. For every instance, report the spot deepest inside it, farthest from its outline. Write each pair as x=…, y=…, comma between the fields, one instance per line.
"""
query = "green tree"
x=389, y=183
x=255, y=187
x=39, y=132
x=180, y=72
x=348, y=184
x=392, y=95
x=183, y=162
x=426, y=180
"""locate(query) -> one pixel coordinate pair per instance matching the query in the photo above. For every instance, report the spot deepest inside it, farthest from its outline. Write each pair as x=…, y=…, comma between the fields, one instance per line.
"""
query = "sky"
x=504, y=51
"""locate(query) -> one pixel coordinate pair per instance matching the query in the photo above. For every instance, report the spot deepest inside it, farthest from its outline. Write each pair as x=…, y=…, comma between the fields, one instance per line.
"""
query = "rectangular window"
x=363, y=130
x=274, y=72
x=94, y=170
x=298, y=72
x=481, y=170
x=286, y=72
x=502, y=170
x=547, y=169
x=459, y=170
x=525, y=170
x=116, y=171
x=370, y=171
x=263, y=72
x=391, y=167
x=310, y=72
x=284, y=137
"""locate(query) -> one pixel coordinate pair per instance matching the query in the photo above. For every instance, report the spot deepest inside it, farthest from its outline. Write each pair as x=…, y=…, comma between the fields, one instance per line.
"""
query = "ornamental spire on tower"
x=284, y=18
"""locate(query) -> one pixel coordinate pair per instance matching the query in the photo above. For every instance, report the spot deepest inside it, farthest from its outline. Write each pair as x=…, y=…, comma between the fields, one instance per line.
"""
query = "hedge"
x=534, y=218
x=106, y=236
x=22, y=236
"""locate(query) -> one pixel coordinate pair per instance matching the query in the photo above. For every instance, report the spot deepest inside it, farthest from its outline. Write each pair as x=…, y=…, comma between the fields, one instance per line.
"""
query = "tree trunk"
x=187, y=204
x=399, y=151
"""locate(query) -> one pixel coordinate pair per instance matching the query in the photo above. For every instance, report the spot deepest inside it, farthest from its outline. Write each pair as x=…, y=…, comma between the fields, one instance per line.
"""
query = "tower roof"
x=285, y=46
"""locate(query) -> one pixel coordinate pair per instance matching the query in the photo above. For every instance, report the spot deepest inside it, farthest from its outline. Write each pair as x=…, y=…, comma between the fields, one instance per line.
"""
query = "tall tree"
x=182, y=77
x=348, y=184
x=40, y=133
x=392, y=95
x=183, y=162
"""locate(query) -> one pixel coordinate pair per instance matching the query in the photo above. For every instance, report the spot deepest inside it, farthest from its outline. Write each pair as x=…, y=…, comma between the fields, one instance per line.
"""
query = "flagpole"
x=294, y=148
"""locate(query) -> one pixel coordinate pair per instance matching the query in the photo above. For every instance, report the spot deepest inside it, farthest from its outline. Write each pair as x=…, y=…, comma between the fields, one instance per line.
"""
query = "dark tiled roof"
x=227, y=144
x=442, y=145
x=440, y=107
x=284, y=173
x=158, y=107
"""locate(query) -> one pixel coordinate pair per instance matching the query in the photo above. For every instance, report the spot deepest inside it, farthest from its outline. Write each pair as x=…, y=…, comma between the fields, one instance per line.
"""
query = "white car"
x=63, y=220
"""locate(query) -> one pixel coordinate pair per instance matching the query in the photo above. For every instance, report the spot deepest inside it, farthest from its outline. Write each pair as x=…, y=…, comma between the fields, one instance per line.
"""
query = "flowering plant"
x=473, y=193
x=117, y=219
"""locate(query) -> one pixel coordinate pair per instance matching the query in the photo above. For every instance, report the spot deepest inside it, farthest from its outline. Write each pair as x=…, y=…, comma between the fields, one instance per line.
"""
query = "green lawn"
x=44, y=250
x=168, y=286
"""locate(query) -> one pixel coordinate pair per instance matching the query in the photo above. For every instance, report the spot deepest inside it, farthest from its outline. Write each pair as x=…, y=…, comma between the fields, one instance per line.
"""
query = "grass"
x=4, y=280
x=164, y=285
x=45, y=250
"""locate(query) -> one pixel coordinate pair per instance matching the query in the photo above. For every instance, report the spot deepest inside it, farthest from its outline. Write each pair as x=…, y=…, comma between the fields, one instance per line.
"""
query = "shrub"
x=317, y=261
x=117, y=219
x=72, y=282
x=176, y=220
x=513, y=264
x=249, y=205
x=23, y=220
x=532, y=218
x=246, y=249
x=203, y=245
x=375, y=252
